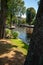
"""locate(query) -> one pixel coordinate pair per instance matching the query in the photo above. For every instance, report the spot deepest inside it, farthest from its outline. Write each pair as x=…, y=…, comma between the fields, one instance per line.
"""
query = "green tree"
x=15, y=7
x=35, y=51
x=30, y=14
x=23, y=21
x=22, y=8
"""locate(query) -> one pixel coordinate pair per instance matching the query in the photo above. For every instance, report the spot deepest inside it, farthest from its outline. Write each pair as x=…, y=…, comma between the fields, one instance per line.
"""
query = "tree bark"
x=3, y=17
x=10, y=20
x=35, y=51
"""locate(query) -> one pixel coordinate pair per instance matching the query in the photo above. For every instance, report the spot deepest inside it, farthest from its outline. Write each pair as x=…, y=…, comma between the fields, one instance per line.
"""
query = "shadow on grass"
x=5, y=47
x=17, y=59
x=25, y=46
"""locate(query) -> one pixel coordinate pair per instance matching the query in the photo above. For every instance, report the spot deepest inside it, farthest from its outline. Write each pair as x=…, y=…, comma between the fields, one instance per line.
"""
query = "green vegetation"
x=30, y=15
x=15, y=35
x=10, y=34
x=15, y=8
x=21, y=46
x=10, y=8
x=33, y=22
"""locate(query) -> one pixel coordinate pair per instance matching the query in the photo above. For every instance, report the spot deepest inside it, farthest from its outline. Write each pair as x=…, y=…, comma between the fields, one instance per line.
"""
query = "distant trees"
x=23, y=21
x=15, y=8
x=30, y=15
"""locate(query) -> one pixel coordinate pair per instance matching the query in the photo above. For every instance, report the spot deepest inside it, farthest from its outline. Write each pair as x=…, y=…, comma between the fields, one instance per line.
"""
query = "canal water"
x=22, y=34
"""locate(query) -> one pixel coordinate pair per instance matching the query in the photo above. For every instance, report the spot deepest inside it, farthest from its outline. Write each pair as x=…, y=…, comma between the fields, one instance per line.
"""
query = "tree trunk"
x=10, y=20
x=35, y=51
x=3, y=17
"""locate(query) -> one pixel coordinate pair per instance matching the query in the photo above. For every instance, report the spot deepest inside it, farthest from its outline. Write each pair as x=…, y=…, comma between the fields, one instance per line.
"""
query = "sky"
x=31, y=3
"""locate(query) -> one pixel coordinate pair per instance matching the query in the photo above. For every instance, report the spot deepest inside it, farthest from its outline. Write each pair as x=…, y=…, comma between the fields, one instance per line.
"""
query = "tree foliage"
x=30, y=14
x=15, y=7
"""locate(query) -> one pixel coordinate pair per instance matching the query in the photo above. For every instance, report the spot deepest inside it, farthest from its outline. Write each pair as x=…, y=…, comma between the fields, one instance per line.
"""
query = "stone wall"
x=29, y=30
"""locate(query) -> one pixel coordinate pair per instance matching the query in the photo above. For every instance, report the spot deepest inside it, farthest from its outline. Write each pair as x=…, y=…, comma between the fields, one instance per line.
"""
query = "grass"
x=12, y=52
x=20, y=45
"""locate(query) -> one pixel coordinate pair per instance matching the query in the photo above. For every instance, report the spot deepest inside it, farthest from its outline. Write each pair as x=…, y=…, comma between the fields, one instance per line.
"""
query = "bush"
x=15, y=34
x=8, y=33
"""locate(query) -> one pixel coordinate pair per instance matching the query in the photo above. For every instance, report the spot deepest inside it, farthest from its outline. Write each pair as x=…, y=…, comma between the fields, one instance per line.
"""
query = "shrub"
x=8, y=33
x=15, y=34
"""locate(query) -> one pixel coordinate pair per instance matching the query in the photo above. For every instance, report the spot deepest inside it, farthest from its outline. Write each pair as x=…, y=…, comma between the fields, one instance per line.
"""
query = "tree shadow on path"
x=5, y=47
x=16, y=57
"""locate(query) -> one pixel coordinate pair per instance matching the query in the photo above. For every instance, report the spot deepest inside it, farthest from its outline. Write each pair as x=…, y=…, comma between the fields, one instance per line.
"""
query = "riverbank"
x=12, y=52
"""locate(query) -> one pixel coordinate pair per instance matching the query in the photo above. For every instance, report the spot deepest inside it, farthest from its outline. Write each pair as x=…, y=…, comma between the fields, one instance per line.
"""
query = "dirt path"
x=10, y=56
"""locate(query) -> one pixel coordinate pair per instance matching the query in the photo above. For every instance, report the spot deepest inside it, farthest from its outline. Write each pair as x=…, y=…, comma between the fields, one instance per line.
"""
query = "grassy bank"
x=20, y=45
x=12, y=52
